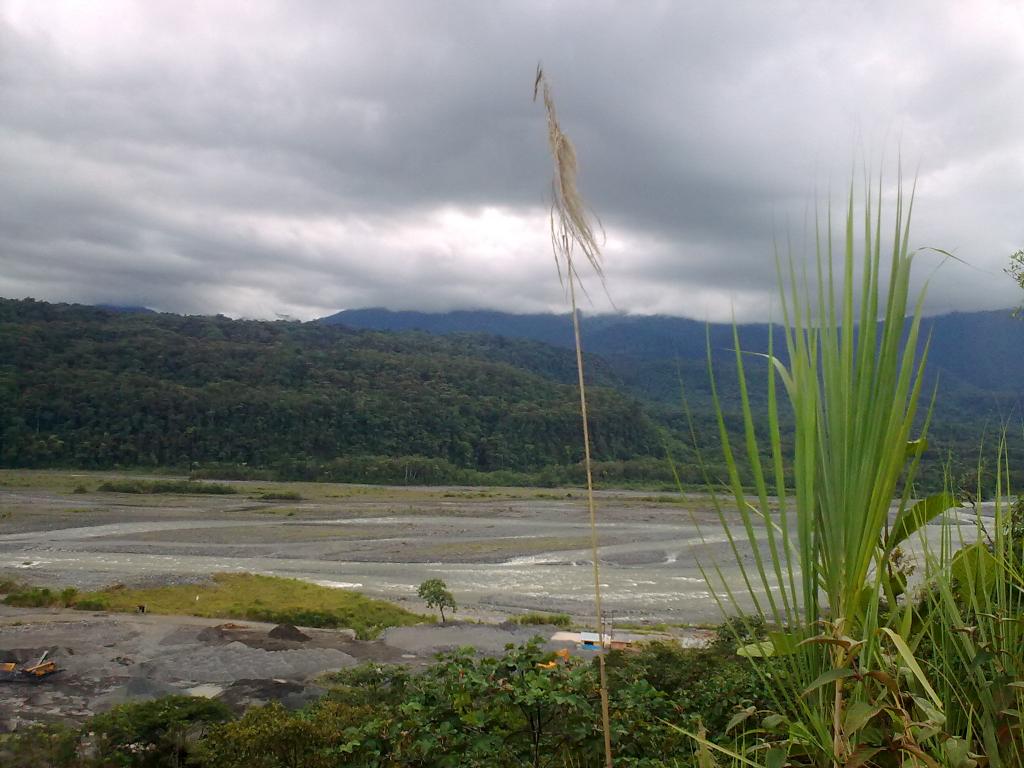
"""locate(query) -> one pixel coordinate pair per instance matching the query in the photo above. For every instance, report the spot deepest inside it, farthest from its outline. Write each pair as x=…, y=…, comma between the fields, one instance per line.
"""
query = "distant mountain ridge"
x=980, y=349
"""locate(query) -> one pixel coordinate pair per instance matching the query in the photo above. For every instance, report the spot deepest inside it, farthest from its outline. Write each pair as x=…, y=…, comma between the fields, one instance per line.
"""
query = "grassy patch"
x=260, y=598
x=503, y=547
x=553, y=619
x=40, y=597
x=165, y=486
x=677, y=499
x=286, y=511
x=280, y=496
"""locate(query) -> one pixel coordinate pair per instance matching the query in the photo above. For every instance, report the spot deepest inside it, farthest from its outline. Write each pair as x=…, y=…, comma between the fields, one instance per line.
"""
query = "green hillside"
x=99, y=388
x=88, y=387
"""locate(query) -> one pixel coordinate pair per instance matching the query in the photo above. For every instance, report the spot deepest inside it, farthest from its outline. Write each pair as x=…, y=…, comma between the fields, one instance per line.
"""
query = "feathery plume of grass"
x=571, y=229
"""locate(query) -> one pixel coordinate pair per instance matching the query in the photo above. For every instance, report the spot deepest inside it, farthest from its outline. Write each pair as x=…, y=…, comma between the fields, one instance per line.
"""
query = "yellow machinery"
x=10, y=672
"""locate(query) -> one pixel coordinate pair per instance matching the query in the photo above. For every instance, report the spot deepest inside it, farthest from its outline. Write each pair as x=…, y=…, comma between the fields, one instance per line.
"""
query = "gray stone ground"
x=501, y=552
x=108, y=659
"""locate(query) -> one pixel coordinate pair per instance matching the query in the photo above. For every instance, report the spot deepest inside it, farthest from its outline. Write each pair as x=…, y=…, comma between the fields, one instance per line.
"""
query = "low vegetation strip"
x=259, y=598
x=165, y=486
x=544, y=619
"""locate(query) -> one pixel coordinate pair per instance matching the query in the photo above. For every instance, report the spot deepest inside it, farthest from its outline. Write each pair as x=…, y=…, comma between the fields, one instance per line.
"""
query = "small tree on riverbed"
x=435, y=593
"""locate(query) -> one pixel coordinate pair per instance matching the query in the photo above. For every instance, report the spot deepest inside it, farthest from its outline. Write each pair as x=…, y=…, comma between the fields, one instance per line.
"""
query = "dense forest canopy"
x=97, y=387
x=94, y=388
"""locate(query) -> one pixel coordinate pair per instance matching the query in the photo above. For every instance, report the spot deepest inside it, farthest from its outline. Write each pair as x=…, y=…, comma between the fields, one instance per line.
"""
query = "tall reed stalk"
x=571, y=229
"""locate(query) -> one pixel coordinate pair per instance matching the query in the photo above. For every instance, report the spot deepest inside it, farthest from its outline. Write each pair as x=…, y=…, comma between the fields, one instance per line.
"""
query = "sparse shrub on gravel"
x=165, y=486
x=280, y=496
x=93, y=603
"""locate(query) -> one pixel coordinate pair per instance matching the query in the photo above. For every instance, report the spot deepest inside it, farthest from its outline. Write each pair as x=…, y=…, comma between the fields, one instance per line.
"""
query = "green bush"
x=736, y=631
x=154, y=734
x=32, y=597
x=369, y=683
x=708, y=686
x=329, y=735
x=37, y=597
x=91, y=604
x=542, y=619
x=462, y=711
x=52, y=746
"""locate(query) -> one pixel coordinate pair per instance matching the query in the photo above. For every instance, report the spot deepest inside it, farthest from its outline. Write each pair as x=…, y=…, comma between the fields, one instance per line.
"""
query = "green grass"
x=280, y=496
x=165, y=486
x=37, y=597
x=260, y=598
x=541, y=619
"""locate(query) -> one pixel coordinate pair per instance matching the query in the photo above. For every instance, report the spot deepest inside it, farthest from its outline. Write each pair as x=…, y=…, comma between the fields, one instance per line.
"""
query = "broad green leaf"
x=760, y=650
x=858, y=714
x=913, y=446
x=783, y=643
x=975, y=569
x=958, y=753
x=829, y=677
x=704, y=757
x=739, y=717
x=911, y=662
x=913, y=518
x=933, y=715
x=775, y=758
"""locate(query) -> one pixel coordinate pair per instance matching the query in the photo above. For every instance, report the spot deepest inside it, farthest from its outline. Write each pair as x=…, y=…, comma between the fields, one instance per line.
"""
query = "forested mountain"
x=981, y=349
x=975, y=365
x=91, y=387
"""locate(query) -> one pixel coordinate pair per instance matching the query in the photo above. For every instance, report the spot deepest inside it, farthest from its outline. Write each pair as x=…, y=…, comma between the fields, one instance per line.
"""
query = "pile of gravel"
x=237, y=661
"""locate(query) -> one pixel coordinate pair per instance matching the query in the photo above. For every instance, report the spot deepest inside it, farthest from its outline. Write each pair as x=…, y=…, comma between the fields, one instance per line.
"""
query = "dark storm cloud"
x=302, y=157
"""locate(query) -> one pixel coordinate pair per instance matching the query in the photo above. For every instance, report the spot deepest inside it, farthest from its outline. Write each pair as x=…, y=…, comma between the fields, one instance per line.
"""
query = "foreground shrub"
x=328, y=735
x=523, y=708
x=154, y=734
x=707, y=686
x=41, y=745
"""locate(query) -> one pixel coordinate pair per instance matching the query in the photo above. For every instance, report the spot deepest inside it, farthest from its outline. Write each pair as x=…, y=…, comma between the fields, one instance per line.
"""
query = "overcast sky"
x=295, y=158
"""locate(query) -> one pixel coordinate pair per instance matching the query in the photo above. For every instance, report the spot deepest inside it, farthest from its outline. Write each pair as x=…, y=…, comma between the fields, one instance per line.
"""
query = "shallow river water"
x=521, y=554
